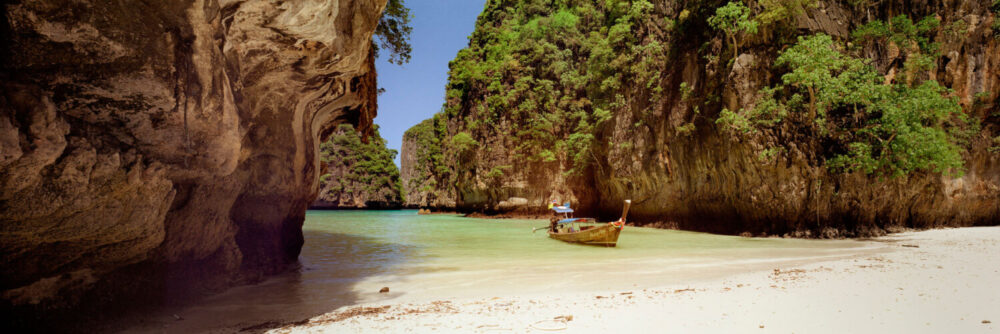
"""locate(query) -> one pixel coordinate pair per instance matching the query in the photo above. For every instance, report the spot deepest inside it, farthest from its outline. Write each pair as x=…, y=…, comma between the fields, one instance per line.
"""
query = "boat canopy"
x=576, y=220
x=562, y=208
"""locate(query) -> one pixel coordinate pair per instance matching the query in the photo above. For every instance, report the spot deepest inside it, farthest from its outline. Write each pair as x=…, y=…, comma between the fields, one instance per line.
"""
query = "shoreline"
x=928, y=281
x=827, y=233
x=831, y=233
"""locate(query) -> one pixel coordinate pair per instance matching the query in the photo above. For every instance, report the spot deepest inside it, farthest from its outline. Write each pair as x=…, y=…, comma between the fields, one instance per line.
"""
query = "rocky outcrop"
x=358, y=174
x=422, y=178
x=712, y=181
x=408, y=174
x=663, y=149
x=160, y=146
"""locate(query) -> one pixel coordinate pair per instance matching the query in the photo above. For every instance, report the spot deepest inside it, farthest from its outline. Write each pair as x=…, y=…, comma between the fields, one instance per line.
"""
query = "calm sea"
x=350, y=255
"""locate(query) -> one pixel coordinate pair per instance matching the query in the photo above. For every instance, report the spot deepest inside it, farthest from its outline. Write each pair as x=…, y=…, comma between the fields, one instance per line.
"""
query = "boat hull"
x=604, y=235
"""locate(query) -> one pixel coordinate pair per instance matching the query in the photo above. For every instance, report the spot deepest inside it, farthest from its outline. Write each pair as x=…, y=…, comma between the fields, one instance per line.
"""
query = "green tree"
x=884, y=129
x=464, y=142
x=393, y=32
x=913, y=129
x=734, y=19
x=823, y=77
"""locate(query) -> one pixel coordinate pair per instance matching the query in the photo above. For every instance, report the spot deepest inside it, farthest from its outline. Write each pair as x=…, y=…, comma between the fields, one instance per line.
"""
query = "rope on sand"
x=552, y=329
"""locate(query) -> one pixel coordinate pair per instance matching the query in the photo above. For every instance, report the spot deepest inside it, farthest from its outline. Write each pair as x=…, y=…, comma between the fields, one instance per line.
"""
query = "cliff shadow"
x=323, y=280
x=329, y=268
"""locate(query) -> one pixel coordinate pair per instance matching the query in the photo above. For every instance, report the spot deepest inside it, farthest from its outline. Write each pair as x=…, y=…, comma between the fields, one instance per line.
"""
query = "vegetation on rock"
x=734, y=19
x=554, y=69
x=996, y=19
x=429, y=170
x=865, y=124
x=762, y=115
x=359, y=174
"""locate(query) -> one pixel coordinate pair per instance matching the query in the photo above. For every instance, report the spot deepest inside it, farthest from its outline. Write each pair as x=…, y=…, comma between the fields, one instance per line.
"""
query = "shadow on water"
x=329, y=267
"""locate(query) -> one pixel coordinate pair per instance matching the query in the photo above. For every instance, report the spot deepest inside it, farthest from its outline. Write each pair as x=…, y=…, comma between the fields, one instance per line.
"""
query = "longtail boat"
x=586, y=230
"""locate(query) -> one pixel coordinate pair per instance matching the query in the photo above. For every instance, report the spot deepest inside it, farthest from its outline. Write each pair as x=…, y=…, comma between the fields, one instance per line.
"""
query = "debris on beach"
x=384, y=290
x=787, y=275
x=348, y=314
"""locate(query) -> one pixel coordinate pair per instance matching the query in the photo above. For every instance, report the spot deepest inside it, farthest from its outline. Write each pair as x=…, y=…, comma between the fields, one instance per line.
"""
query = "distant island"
x=359, y=172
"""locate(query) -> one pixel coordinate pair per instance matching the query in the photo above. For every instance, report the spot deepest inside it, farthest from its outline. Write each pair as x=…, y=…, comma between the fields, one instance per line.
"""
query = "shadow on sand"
x=331, y=264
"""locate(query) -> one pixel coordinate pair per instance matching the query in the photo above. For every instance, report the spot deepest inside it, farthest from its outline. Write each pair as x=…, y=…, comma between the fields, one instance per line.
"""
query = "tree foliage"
x=865, y=124
x=912, y=39
x=734, y=19
x=913, y=129
x=823, y=78
x=369, y=165
x=393, y=32
x=557, y=69
x=463, y=142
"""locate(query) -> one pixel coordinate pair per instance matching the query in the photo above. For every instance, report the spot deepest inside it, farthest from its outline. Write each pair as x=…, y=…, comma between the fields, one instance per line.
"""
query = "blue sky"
x=415, y=91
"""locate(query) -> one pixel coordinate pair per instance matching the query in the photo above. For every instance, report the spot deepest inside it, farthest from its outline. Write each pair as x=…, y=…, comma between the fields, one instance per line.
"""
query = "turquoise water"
x=441, y=256
x=416, y=243
x=350, y=255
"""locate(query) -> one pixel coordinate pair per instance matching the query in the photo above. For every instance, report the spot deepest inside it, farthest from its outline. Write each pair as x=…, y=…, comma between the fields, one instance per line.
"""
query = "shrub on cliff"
x=734, y=19
x=855, y=121
x=739, y=21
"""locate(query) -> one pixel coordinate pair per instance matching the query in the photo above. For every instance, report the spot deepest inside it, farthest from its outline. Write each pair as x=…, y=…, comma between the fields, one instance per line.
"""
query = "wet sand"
x=933, y=281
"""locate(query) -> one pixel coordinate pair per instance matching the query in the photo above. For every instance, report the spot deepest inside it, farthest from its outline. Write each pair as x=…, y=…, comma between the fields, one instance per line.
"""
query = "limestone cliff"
x=422, y=168
x=161, y=146
x=541, y=108
x=358, y=174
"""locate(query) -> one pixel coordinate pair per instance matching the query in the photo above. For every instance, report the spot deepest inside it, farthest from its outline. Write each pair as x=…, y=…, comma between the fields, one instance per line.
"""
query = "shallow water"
x=349, y=255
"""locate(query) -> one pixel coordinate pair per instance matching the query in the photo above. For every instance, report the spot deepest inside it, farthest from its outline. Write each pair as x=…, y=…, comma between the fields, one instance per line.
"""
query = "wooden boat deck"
x=601, y=235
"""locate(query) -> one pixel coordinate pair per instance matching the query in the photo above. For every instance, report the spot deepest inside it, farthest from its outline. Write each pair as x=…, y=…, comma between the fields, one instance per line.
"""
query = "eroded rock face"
x=171, y=137
x=712, y=182
x=423, y=185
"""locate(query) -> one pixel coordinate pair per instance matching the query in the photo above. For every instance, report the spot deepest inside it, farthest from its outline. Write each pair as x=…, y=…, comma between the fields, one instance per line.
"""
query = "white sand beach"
x=936, y=281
